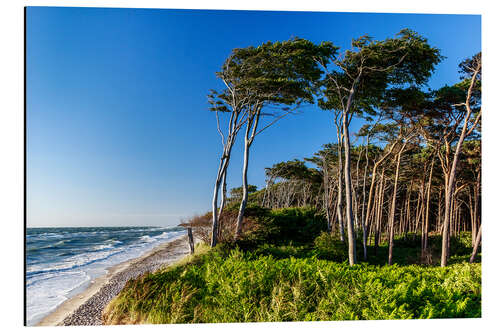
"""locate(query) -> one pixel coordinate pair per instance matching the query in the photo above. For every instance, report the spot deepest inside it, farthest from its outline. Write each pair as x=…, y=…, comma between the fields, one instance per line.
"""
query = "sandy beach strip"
x=86, y=308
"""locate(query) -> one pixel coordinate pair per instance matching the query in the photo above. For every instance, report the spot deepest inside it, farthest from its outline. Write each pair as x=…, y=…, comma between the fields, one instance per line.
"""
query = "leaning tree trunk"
x=351, y=237
x=393, y=206
x=222, y=171
x=378, y=207
x=450, y=177
x=448, y=197
x=364, y=225
x=355, y=194
x=425, y=235
x=370, y=192
x=252, y=124
x=339, y=184
x=222, y=168
x=224, y=192
x=244, y=199
x=355, y=208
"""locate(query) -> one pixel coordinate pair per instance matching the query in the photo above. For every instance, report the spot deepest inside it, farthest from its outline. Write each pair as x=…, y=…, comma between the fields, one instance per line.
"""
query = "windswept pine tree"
x=233, y=101
x=277, y=79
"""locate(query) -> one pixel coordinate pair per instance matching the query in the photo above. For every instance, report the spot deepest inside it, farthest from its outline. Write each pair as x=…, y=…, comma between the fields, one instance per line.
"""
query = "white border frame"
x=12, y=152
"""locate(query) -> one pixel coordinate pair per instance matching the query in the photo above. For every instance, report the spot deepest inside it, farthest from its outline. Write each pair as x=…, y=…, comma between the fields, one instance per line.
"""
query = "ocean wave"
x=73, y=262
x=147, y=239
x=108, y=244
x=58, y=275
x=48, y=246
x=45, y=236
x=101, y=247
x=46, y=294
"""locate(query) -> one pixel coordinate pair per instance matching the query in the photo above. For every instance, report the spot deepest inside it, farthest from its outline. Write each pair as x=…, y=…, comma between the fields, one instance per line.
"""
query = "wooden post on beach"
x=191, y=241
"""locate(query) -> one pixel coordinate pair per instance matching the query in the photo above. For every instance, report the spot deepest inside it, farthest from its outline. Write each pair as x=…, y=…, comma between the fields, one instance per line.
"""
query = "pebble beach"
x=86, y=308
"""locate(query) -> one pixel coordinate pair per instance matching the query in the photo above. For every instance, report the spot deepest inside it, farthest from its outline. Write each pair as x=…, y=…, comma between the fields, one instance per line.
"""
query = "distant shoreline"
x=85, y=308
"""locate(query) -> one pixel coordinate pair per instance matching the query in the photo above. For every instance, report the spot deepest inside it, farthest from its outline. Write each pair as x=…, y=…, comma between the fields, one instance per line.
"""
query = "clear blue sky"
x=118, y=127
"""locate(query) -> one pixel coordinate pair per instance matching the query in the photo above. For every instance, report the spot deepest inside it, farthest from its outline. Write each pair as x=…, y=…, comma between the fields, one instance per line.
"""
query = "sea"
x=61, y=262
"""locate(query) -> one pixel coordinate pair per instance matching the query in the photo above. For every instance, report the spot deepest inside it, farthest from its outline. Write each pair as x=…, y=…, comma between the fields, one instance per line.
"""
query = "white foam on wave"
x=45, y=236
x=147, y=238
x=50, y=291
x=48, y=287
x=102, y=247
x=72, y=262
x=109, y=244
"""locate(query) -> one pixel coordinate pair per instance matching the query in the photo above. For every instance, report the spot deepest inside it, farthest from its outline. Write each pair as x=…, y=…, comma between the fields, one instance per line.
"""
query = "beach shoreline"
x=86, y=307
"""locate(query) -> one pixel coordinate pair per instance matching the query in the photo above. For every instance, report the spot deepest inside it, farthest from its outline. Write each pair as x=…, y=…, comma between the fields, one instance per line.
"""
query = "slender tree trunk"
x=393, y=206
x=244, y=199
x=408, y=209
x=376, y=217
x=222, y=167
x=371, y=219
x=440, y=208
x=450, y=177
x=351, y=236
x=365, y=226
x=326, y=195
x=250, y=133
x=452, y=231
x=355, y=208
x=224, y=192
x=471, y=212
x=427, y=205
x=355, y=194
x=401, y=216
x=339, y=183
x=222, y=170
x=420, y=209
x=372, y=185
x=446, y=223
x=380, y=204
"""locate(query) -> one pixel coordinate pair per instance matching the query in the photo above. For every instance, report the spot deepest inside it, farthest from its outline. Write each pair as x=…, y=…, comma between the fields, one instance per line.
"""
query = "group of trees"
x=418, y=167
x=419, y=183
x=268, y=81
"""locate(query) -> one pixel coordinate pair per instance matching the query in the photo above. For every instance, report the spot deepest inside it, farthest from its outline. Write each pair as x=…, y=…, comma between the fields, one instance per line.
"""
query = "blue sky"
x=118, y=127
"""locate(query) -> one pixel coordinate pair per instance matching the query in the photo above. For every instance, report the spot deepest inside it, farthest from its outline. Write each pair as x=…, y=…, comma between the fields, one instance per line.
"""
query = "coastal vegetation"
x=302, y=277
x=383, y=223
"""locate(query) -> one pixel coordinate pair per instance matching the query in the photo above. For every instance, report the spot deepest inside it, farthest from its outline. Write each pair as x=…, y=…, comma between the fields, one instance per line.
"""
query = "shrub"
x=201, y=226
x=298, y=224
x=262, y=225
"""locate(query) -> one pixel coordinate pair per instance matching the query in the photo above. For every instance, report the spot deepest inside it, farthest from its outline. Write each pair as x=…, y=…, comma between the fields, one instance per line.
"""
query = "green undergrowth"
x=304, y=276
x=237, y=286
